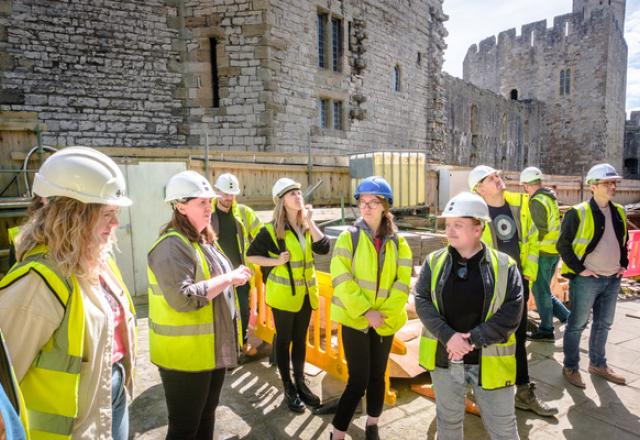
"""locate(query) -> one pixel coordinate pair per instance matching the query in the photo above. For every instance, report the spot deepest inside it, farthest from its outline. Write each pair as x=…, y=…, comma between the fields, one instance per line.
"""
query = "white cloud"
x=632, y=35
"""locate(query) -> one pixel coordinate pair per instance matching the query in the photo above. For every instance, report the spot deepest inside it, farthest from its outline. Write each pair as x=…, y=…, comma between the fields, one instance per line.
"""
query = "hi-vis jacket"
x=527, y=233
x=364, y=280
x=582, y=229
x=551, y=215
x=502, y=311
x=51, y=384
x=183, y=340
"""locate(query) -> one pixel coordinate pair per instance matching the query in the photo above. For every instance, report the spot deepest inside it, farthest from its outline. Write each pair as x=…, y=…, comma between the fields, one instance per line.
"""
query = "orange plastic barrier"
x=324, y=350
x=633, y=245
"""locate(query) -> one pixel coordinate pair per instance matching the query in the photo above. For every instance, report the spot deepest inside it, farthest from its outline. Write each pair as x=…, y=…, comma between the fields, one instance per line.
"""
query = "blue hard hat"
x=376, y=186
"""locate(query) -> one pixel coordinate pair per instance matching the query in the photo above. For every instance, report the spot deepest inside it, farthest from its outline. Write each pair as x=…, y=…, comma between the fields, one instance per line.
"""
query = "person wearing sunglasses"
x=593, y=247
x=513, y=232
x=469, y=300
x=371, y=271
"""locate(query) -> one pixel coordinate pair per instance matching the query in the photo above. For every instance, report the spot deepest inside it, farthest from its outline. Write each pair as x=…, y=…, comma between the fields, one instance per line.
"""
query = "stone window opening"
x=565, y=82
x=419, y=59
x=215, y=79
x=513, y=94
x=396, y=78
x=566, y=29
x=330, y=114
x=533, y=38
x=330, y=42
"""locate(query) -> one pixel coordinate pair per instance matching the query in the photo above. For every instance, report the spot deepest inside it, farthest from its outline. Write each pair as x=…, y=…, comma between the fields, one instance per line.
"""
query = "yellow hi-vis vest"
x=527, y=233
x=50, y=386
x=182, y=341
x=12, y=234
x=548, y=242
x=278, y=285
x=249, y=224
x=497, y=361
x=14, y=390
x=361, y=283
x=586, y=230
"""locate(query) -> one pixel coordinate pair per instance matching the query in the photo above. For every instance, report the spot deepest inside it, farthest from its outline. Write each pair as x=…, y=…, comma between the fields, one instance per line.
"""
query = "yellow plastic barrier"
x=321, y=351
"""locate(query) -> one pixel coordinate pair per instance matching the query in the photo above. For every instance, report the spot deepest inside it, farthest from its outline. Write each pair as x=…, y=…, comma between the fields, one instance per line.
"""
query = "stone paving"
x=252, y=400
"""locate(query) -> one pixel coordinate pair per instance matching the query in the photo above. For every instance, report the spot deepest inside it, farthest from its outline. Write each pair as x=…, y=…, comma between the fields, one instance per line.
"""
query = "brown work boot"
x=527, y=400
x=608, y=374
x=574, y=377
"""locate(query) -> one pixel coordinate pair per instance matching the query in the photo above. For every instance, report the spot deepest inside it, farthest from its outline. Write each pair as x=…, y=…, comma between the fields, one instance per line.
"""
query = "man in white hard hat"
x=469, y=316
x=593, y=248
x=545, y=214
x=512, y=231
x=236, y=225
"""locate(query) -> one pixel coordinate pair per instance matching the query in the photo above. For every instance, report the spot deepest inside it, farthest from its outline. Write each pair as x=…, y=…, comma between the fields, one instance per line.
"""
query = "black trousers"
x=367, y=355
x=291, y=331
x=522, y=365
x=192, y=399
x=244, y=293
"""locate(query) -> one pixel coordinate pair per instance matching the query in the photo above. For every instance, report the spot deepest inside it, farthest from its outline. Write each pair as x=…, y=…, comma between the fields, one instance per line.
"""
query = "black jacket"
x=496, y=329
x=568, y=231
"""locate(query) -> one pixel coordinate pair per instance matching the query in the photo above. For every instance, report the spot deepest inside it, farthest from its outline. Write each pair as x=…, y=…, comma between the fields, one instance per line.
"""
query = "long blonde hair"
x=280, y=219
x=66, y=226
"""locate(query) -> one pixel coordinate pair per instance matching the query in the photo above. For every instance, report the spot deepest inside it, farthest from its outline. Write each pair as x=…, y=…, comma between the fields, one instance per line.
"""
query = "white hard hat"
x=282, y=186
x=188, y=185
x=530, y=174
x=84, y=174
x=478, y=173
x=228, y=184
x=467, y=204
x=601, y=172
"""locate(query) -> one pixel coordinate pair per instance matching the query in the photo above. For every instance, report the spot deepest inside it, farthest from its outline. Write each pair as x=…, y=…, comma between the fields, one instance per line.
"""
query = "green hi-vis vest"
x=527, y=233
x=278, y=284
x=361, y=282
x=10, y=384
x=548, y=242
x=13, y=233
x=586, y=231
x=50, y=386
x=497, y=361
x=182, y=341
x=249, y=224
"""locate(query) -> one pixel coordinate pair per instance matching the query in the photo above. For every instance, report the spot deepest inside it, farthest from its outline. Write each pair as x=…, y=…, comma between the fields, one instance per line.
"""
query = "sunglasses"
x=462, y=271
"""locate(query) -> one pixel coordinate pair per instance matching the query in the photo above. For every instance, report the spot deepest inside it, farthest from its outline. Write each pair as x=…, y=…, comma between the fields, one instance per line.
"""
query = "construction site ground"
x=252, y=407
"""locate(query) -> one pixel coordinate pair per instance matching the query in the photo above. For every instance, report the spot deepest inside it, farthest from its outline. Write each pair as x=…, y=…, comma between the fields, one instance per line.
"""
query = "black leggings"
x=291, y=330
x=244, y=293
x=192, y=399
x=522, y=366
x=367, y=355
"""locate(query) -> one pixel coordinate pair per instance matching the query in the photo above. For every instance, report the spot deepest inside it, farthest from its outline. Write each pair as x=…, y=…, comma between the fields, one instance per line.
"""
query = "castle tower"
x=616, y=7
x=577, y=69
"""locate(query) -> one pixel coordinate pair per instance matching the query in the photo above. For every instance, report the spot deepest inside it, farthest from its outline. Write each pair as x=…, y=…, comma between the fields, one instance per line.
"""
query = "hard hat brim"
x=288, y=188
x=231, y=193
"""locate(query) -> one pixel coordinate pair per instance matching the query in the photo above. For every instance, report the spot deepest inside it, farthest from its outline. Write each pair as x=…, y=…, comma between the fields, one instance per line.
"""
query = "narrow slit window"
x=337, y=115
x=323, y=112
x=322, y=38
x=336, y=44
x=215, y=80
x=396, y=78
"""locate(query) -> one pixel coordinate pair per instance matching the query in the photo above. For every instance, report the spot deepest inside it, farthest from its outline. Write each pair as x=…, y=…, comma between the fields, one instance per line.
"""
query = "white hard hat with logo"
x=83, y=174
x=530, y=174
x=228, y=184
x=478, y=174
x=282, y=186
x=188, y=185
x=601, y=172
x=467, y=204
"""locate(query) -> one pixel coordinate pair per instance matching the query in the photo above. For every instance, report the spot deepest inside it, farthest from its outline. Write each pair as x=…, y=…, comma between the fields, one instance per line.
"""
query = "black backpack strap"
x=282, y=247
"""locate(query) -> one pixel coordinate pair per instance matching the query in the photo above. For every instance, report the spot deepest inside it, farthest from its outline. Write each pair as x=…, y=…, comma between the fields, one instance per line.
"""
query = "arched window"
x=514, y=94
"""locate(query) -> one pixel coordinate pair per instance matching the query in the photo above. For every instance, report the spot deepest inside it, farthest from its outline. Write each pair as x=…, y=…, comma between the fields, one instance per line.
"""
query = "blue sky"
x=470, y=21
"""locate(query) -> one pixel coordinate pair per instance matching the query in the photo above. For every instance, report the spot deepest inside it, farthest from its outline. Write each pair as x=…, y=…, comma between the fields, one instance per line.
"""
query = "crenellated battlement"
x=537, y=35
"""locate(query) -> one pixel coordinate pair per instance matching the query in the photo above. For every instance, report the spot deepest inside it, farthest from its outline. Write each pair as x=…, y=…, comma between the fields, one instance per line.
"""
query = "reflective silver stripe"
x=532, y=258
x=501, y=283
x=584, y=241
x=383, y=293
x=58, y=361
x=499, y=350
x=341, y=252
x=286, y=281
x=345, y=277
x=426, y=333
x=337, y=302
x=255, y=224
x=405, y=262
x=364, y=284
x=155, y=289
x=402, y=287
x=181, y=330
x=46, y=422
x=296, y=264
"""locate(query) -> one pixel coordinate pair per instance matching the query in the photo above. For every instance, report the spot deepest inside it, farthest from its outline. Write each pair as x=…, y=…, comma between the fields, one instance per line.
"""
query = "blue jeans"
x=119, y=410
x=496, y=406
x=585, y=294
x=548, y=305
